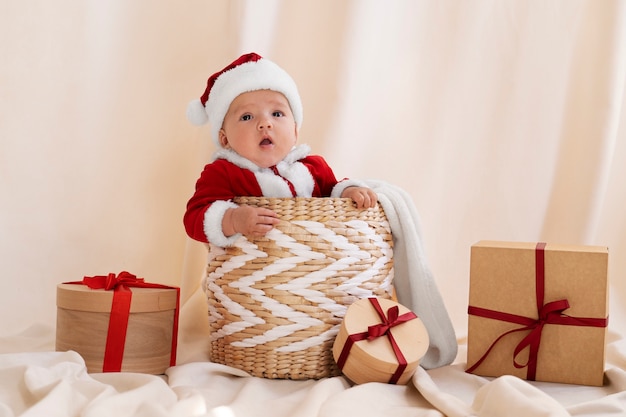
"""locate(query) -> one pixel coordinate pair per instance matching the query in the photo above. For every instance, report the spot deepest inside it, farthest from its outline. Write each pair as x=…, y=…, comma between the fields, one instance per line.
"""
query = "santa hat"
x=249, y=72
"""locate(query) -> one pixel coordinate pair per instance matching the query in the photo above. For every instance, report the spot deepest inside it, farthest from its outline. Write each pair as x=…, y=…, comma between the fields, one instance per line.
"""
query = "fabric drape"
x=503, y=120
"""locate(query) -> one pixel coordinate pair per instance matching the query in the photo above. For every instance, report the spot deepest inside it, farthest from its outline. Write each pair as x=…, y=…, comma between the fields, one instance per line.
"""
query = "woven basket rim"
x=316, y=208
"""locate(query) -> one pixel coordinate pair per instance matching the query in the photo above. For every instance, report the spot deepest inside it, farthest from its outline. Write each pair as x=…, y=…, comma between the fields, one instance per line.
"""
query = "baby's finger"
x=266, y=212
x=260, y=229
x=367, y=201
x=268, y=220
x=372, y=199
x=362, y=200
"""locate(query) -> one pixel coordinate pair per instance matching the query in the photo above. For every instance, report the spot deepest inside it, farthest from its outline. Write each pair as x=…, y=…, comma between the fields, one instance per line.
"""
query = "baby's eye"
x=278, y=113
x=246, y=117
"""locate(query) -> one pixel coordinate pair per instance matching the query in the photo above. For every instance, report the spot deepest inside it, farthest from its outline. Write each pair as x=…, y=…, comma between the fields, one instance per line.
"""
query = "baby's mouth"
x=266, y=142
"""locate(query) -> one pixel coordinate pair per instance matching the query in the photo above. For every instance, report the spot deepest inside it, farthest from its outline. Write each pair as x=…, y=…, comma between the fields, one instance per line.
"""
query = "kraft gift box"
x=380, y=340
x=118, y=323
x=538, y=311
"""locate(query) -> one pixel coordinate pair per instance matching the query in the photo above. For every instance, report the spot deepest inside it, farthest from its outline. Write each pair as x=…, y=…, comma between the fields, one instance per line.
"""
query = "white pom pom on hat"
x=196, y=113
x=249, y=72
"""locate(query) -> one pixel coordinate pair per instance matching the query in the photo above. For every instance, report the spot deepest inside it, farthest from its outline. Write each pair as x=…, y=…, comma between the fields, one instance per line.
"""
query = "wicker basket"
x=276, y=302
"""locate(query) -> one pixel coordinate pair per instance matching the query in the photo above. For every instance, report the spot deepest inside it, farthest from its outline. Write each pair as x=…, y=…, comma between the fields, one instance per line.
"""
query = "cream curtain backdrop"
x=502, y=119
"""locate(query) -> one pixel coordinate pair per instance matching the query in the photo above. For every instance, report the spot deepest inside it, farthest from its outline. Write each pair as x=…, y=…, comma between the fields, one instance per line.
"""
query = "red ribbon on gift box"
x=392, y=319
x=120, y=311
x=549, y=313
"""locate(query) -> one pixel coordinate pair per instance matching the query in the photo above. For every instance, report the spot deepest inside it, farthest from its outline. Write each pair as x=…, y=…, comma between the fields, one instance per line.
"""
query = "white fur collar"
x=289, y=168
x=297, y=152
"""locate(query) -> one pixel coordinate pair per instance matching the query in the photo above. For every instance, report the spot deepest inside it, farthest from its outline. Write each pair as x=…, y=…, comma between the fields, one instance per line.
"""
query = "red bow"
x=392, y=319
x=112, y=282
x=120, y=312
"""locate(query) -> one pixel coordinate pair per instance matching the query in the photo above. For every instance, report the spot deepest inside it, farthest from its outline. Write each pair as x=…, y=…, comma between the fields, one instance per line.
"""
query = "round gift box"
x=83, y=320
x=374, y=360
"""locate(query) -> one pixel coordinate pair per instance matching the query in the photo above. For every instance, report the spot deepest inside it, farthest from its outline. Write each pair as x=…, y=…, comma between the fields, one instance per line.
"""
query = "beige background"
x=504, y=120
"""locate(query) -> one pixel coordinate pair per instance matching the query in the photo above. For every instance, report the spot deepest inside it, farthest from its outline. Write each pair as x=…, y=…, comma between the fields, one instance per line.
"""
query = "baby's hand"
x=363, y=197
x=249, y=221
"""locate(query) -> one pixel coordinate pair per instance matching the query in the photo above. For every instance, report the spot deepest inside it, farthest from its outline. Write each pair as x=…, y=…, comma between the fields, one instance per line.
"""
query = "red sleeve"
x=322, y=175
x=220, y=180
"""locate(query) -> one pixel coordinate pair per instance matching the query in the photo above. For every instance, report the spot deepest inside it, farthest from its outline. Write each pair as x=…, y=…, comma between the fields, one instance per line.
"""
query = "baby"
x=255, y=113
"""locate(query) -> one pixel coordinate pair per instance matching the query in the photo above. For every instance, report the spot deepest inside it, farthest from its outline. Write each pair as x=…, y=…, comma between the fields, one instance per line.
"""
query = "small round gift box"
x=380, y=341
x=118, y=323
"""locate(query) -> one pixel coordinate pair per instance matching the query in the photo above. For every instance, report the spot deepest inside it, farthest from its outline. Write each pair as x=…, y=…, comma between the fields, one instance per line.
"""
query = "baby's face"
x=259, y=126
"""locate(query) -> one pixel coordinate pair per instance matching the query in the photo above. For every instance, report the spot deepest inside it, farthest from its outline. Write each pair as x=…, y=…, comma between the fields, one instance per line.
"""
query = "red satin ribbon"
x=392, y=319
x=120, y=312
x=549, y=313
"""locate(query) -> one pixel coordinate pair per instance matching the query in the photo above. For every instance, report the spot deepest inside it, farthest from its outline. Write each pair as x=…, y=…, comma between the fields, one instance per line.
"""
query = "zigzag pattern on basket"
x=276, y=302
x=267, y=282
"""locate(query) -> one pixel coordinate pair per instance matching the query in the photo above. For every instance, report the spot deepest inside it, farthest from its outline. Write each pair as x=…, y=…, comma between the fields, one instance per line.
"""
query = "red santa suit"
x=231, y=175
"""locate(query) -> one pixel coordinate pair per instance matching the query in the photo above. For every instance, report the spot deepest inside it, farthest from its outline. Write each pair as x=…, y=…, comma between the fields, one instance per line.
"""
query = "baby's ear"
x=223, y=140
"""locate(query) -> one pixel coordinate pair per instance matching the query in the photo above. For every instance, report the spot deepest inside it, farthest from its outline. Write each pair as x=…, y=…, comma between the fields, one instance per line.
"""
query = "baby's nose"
x=265, y=123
